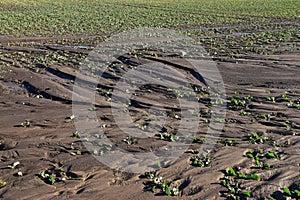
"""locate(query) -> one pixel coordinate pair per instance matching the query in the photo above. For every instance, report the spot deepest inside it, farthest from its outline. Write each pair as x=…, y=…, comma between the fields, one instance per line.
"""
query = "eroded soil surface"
x=36, y=87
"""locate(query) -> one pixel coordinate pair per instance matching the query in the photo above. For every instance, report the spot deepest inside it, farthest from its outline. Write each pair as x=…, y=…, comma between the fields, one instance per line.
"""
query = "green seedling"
x=216, y=101
x=272, y=99
x=26, y=123
x=157, y=183
x=287, y=191
x=231, y=171
x=286, y=97
x=244, y=113
x=287, y=124
x=265, y=116
x=292, y=193
x=266, y=166
x=219, y=120
x=236, y=101
x=234, y=190
x=92, y=109
x=76, y=134
x=238, y=175
x=173, y=115
x=54, y=175
x=230, y=142
x=258, y=155
x=76, y=153
x=168, y=137
x=248, y=176
x=249, y=98
x=295, y=104
x=47, y=177
x=149, y=118
x=200, y=140
x=255, y=138
x=14, y=165
x=201, y=161
x=130, y=140
x=271, y=155
x=142, y=126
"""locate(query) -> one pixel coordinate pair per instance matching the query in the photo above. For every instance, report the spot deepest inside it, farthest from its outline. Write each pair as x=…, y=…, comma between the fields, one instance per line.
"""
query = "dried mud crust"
x=36, y=129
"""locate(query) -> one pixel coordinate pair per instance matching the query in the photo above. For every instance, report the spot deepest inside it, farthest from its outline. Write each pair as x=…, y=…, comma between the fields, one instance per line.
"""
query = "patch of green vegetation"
x=168, y=137
x=200, y=140
x=26, y=123
x=238, y=102
x=292, y=193
x=157, y=183
x=234, y=189
x=201, y=161
x=54, y=175
x=295, y=104
x=255, y=138
x=259, y=154
x=76, y=134
x=14, y=165
x=230, y=142
x=130, y=140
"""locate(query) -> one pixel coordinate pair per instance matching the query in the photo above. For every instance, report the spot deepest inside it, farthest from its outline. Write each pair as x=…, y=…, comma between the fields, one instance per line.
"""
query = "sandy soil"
x=47, y=142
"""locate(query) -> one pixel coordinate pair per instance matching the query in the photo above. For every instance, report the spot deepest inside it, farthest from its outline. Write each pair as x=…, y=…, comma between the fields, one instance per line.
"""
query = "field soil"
x=36, y=128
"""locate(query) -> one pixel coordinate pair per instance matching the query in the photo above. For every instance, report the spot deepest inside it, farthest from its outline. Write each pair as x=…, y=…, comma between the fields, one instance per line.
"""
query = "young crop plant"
x=244, y=113
x=175, y=116
x=26, y=123
x=201, y=161
x=292, y=193
x=230, y=142
x=294, y=104
x=234, y=190
x=259, y=154
x=237, y=175
x=239, y=103
x=168, y=137
x=255, y=138
x=14, y=165
x=285, y=97
x=157, y=183
x=54, y=175
x=266, y=117
x=130, y=140
x=272, y=99
x=200, y=140
x=76, y=134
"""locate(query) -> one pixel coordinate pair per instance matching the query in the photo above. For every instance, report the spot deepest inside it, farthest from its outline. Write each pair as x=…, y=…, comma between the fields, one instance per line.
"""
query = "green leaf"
x=51, y=178
x=287, y=191
x=249, y=155
x=240, y=175
x=231, y=171
x=168, y=191
x=257, y=161
x=271, y=154
x=253, y=176
x=153, y=189
x=246, y=193
x=266, y=166
x=297, y=192
x=255, y=135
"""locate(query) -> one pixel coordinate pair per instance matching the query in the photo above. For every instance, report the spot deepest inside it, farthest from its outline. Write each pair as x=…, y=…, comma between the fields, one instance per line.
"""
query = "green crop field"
x=69, y=17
